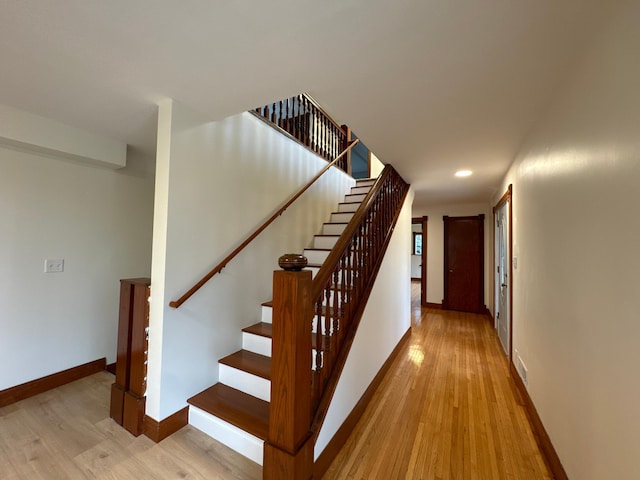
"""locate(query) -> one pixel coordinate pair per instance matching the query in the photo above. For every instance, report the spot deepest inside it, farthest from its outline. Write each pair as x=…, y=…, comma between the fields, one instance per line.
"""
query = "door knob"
x=504, y=285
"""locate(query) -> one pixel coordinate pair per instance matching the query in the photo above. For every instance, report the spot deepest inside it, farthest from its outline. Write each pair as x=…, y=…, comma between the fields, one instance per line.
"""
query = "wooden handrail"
x=218, y=268
x=322, y=110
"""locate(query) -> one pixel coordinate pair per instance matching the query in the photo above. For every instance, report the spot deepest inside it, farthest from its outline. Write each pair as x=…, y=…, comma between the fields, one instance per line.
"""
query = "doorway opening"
x=419, y=255
x=503, y=270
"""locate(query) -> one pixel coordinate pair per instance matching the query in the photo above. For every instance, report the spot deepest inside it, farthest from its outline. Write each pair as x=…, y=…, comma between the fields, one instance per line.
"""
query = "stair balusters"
x=314, y=323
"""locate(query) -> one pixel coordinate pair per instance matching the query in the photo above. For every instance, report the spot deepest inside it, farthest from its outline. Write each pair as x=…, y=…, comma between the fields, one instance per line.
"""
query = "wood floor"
x=66, y=433
x=447, y=409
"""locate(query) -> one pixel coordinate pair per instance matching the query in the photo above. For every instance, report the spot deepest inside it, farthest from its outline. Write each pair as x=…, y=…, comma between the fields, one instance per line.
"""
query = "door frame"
x=481, y=306
x=423, y=268
x=508, y=196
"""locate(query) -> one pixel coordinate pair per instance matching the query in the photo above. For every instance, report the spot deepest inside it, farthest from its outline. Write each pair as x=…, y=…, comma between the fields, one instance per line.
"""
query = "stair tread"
x=249, y=362
x=349, y=203
x=235, y=407
x=261, y=328
x=325, y=235
x=336, y=223
x=320, y=249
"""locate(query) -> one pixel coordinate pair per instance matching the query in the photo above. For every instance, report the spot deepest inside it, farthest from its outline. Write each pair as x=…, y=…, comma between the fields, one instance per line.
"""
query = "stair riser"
x=245, y=382
x=266, y=346
x=256, y=344
x=358, y=190
x=266, y=314
x=348, y=207
x=325, y=242
x=316, y=256
x=333, y=228
x=354, y=198
x=365, y=183
x=235, y=438
x=341, y=217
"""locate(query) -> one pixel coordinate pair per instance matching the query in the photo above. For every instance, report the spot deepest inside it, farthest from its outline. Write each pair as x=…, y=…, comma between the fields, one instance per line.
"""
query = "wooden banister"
x=331, y=308
x=342, y=244
x=218, y=268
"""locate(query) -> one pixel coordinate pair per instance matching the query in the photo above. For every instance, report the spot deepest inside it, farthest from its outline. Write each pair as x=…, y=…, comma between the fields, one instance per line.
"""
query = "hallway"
x=447, y=409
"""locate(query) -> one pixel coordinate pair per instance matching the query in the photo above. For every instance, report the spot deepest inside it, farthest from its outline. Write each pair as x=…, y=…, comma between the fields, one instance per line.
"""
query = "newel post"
x=288, y=451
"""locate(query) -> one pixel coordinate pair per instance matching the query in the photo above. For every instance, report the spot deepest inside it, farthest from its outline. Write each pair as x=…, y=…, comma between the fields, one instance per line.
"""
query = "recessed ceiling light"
x=463, y=173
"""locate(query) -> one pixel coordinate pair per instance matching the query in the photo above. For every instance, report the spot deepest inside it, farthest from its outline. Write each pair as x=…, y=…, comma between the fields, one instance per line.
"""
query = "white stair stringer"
x=233, y=437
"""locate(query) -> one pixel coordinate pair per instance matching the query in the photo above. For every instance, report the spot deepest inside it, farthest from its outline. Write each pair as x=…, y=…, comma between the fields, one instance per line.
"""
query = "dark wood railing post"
x=347, y=158
x=288, y=451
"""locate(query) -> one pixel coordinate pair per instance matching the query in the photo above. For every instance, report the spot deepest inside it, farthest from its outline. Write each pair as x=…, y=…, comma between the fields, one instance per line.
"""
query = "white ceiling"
x=431, y=86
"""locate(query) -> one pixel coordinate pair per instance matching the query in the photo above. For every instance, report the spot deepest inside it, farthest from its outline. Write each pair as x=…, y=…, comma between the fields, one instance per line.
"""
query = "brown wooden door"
x=464, y=264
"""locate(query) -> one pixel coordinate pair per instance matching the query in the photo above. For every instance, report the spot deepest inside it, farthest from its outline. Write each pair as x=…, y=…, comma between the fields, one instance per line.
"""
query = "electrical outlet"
x=522, y=369
x=54, y=265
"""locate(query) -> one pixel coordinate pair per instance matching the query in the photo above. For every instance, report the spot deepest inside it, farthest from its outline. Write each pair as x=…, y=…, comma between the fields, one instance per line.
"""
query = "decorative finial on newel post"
x=288, y=451
x=292, y=262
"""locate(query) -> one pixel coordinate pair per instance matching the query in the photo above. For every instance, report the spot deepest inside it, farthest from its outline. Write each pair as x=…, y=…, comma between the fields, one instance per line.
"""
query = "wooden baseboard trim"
x=416, y=279
x=40, y=385
x=542, y=437
x=437, y=306
x=158, y=431
x=111, y=368
x=327, y=456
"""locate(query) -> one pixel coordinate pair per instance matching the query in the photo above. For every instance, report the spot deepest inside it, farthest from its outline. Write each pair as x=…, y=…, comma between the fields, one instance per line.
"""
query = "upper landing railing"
x=304, y=120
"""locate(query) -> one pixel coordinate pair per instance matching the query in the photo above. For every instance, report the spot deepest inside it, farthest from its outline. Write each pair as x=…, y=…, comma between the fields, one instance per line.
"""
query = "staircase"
x=235, y=411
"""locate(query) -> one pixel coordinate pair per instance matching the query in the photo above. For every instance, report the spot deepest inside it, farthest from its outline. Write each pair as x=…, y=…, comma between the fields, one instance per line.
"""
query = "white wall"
x=218, y=181
x=99, y=221
x=376, y=166
x=435, y=246
x=576, y=234
x=386, y=318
